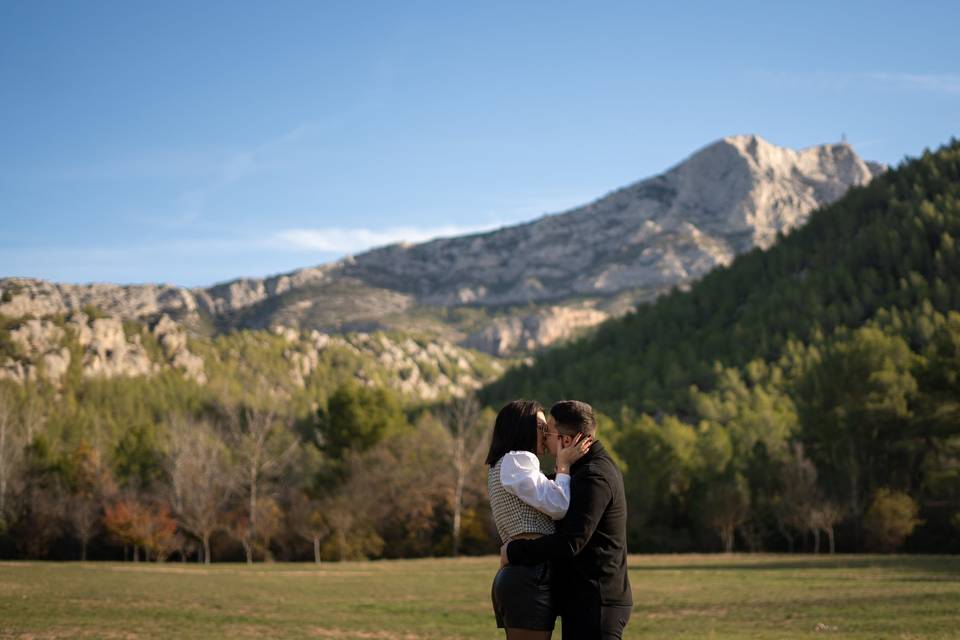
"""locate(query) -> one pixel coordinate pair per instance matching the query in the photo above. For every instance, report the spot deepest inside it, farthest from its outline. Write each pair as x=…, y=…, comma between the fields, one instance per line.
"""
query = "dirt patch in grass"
x=322, y=573
x=59, y=634
x=311, y=574
x=156, y=569
x=326, y=632
x=677, y=614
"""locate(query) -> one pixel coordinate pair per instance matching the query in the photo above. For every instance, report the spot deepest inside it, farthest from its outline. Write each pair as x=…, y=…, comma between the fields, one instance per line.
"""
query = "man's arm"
x=590, y=496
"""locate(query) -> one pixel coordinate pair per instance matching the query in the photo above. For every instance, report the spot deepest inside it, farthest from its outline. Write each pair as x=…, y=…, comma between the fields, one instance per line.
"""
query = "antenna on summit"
x=843, y=138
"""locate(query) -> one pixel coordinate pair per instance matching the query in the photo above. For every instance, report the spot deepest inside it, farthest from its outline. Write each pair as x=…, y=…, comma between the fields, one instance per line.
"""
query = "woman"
x=525, y=504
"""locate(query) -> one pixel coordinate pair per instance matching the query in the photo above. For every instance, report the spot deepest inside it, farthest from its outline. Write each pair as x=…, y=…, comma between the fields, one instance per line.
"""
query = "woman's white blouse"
x=520, y=475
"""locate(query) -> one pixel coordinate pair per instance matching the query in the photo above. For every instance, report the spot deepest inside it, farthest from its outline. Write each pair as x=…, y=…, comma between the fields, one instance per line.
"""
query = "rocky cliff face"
x=526, y=332
x=46, y=350
x=735, y=194
x=43, y=349
x=425, y=370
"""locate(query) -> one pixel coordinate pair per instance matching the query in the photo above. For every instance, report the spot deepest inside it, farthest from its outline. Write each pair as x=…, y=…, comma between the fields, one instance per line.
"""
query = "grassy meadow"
x=741, y=596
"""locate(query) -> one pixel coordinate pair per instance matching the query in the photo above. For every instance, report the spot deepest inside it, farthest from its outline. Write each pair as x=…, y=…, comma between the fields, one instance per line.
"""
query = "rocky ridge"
x=729, y=197
x=103, y=347
x=558, y=272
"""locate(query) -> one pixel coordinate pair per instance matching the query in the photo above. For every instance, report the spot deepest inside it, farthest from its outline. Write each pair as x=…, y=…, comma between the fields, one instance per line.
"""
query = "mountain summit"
x=523, y=286
x=729, y=197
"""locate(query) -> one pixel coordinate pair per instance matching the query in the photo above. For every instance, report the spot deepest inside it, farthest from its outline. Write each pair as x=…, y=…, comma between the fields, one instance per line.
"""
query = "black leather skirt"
x=522, y=598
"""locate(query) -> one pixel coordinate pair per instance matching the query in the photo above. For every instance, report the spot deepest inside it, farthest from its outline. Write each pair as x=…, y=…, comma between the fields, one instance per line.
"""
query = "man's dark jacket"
x=589, y=550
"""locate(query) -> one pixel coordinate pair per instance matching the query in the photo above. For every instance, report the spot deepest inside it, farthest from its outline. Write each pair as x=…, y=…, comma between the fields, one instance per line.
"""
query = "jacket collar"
x=596, y=449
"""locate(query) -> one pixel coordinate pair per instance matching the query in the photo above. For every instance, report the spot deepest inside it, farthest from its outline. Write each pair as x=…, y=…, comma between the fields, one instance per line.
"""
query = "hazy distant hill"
x=520, y=287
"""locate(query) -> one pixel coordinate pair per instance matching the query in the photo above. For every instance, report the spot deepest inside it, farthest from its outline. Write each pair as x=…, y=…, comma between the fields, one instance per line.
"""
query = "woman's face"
x=541, y=428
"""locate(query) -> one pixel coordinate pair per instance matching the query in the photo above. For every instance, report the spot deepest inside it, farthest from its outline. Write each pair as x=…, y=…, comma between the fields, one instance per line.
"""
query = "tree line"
x=363, y=476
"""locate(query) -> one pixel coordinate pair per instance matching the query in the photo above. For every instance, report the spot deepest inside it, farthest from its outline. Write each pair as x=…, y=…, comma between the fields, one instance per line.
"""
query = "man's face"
x=551, y=440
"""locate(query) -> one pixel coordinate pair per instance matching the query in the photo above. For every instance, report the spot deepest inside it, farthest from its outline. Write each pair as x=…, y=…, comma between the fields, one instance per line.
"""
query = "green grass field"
x=745, y=596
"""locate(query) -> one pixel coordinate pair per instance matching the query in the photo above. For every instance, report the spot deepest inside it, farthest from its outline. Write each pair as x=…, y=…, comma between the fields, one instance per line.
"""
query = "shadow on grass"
x=929, y=564
x=821, y=603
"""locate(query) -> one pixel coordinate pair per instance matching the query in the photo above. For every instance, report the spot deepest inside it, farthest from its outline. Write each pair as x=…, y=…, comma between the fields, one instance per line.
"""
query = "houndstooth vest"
x=512, y=515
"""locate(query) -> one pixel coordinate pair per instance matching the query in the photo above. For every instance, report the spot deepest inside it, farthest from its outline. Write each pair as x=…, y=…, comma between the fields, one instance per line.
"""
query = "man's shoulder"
x=602, y=467
x=601, y=462
x=596, y=470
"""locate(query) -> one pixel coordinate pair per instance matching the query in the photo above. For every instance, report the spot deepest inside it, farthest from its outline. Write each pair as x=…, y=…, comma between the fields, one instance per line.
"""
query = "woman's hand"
x=566, y=456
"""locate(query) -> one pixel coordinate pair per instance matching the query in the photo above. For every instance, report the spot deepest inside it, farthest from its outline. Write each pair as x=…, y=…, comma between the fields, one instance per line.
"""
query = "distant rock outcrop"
x=105, y=347
x=44, y=349
x=528, y=332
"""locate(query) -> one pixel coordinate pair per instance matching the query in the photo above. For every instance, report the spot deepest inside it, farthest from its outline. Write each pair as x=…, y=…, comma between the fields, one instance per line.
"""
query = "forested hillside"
x=811, y=387
x=126, y=440
x=804, y=397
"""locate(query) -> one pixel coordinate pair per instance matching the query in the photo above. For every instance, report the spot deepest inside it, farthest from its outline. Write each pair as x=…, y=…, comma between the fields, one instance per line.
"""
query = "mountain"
x=521, y=287
x=733, y=195
x=803, y=389
x=890, y=245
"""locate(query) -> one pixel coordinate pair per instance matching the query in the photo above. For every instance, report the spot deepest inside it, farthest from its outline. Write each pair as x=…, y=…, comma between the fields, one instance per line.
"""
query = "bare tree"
x=352, y=534
x=799, y=497
x=398, y=490
x=726, y=508
x=42, y=520
x=238, y=527
x=307, y=520
x=185, y=546
x=269, y=524
x=201, y=481
x=91, y=485
x=175, y=544
x=802, y=506
x=83, y=515
x=11, y=450
x=461, y=416
x=824, y=517
x=260, y=451
x=341, y=518
x=752, y=534
x=31, y=414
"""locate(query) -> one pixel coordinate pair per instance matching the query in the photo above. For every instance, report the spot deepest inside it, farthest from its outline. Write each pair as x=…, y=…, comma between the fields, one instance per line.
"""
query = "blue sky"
x=196, y=142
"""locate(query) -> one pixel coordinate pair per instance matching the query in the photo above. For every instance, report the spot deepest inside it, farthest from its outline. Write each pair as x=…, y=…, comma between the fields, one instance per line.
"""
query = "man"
x=589, y=550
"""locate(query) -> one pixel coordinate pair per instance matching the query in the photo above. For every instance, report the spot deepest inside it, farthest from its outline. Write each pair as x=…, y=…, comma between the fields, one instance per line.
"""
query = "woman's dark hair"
x=515, y=429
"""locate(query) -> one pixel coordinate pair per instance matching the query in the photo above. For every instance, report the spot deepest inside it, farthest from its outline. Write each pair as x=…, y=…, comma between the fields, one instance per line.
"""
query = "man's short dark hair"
x=573, y=417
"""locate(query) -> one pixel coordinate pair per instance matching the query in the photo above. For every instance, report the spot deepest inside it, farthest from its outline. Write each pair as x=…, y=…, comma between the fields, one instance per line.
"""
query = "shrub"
x=890, y=520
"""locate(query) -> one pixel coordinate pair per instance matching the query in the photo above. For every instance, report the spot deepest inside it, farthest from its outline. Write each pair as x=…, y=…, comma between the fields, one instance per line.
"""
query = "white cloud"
x=832, y=81
x=236, y=167
x=345, y=240
x=940, y=83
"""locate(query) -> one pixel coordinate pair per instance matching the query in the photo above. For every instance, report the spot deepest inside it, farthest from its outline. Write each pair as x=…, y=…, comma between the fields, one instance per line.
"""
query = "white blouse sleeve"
x=520, y=475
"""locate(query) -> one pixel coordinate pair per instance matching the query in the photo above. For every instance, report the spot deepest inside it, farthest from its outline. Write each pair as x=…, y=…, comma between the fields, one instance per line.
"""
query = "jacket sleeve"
x=590, y=496
x=520, y=475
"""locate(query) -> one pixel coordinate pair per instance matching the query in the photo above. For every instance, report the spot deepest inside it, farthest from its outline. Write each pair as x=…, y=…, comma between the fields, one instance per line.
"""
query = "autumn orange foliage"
x=133, y=523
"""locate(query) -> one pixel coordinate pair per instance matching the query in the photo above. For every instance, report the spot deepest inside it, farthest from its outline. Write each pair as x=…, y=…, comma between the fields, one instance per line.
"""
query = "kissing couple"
x=564, y=546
